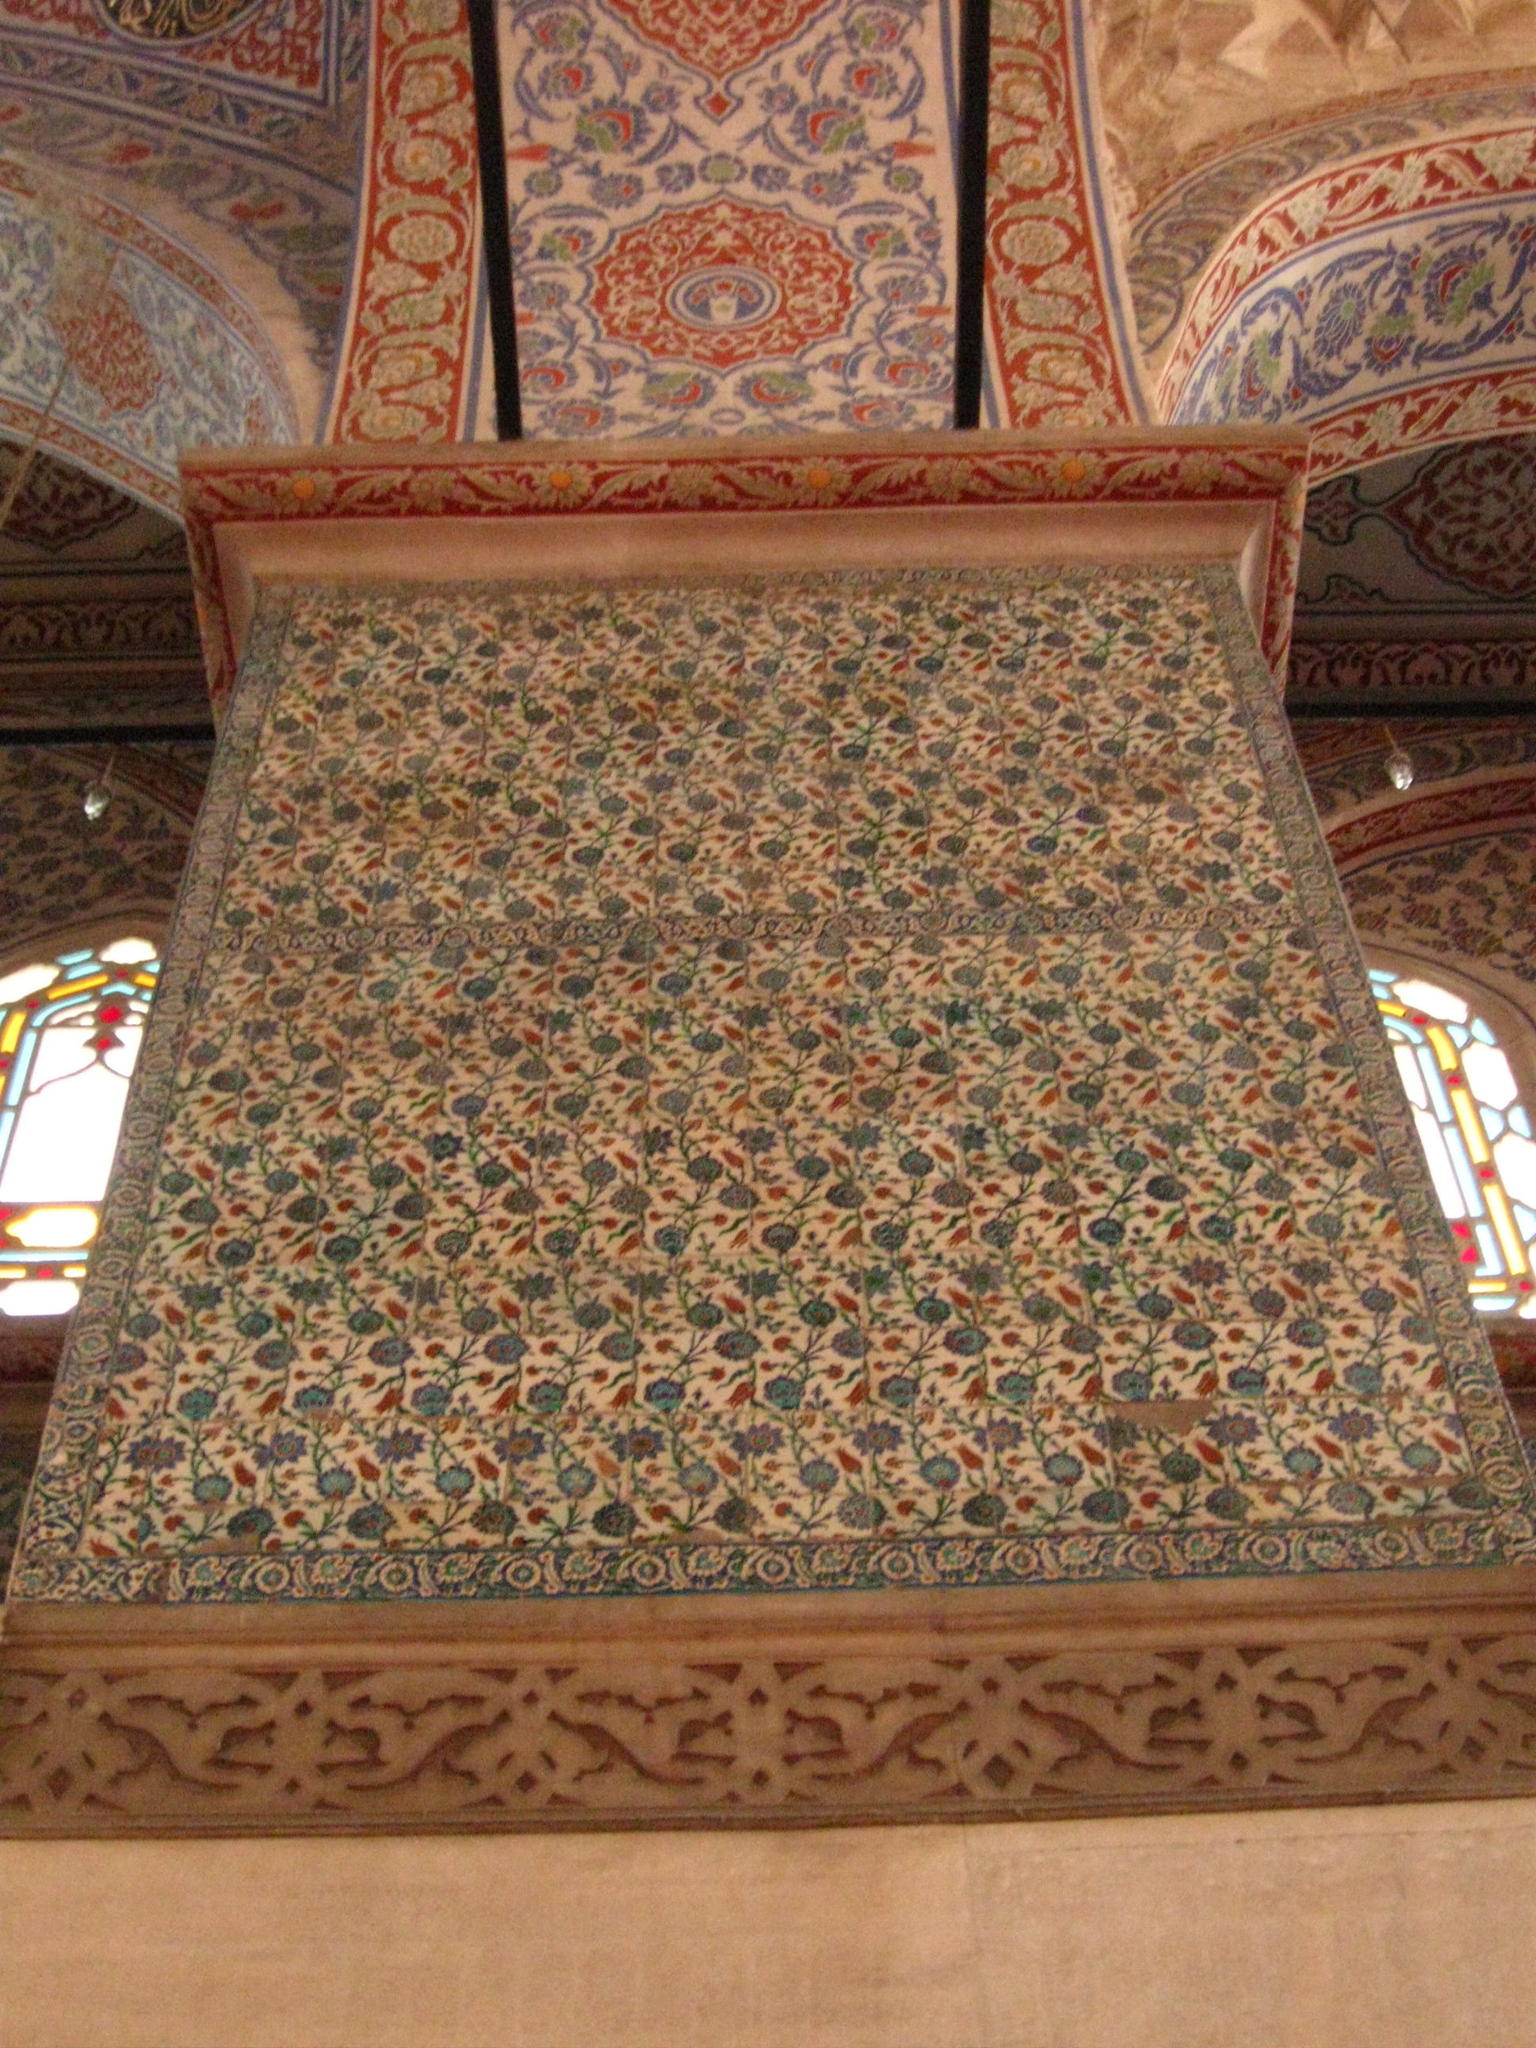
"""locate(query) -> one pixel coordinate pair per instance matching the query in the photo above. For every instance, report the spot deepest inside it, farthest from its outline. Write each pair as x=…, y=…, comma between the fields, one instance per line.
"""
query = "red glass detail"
x=1469, y=1258
x=45, y=1272
x=105, y=1043
x=1461, y=1229
x=1454, y=1081
x=110, y=1014
x=1486, y=1173
x=1416, y=1019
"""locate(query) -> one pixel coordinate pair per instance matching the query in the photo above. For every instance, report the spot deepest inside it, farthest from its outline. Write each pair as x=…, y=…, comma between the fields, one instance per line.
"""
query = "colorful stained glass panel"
x=1475, y=1133
x=70, y=1033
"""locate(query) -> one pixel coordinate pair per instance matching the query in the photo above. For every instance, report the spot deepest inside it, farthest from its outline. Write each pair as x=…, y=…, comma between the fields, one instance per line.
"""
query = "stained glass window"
x=70, y=1030
x=1475, y=1130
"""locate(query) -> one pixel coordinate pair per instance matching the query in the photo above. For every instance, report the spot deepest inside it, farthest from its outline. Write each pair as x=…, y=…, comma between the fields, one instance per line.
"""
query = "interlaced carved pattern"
x=764, y=1741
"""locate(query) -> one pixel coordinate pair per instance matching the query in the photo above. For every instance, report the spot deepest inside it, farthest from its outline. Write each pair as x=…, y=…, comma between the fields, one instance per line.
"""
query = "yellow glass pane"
x=54, y=1229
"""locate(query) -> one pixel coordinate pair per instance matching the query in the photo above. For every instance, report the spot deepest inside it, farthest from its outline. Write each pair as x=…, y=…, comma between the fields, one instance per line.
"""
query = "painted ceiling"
x=1441, y=545
x=60, y=515
x=751, y=217
x=96, y=616
x=1173, y=236
x=728, y=217
x=235, y=129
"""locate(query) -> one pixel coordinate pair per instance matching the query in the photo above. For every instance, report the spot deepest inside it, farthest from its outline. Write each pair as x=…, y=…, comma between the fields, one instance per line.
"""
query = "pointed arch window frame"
x=85, y=985
x=1456, y=1108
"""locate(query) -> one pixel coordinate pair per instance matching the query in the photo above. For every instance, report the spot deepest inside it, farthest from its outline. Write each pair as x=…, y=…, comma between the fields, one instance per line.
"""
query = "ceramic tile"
x=796, y=1070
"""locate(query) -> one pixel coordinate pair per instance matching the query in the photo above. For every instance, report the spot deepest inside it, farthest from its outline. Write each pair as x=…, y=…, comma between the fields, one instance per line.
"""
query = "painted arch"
x=125, y=347
x=1385, y=303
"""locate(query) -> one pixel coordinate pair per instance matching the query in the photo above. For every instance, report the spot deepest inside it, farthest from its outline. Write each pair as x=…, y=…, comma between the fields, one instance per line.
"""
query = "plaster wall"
x=1409, y=1926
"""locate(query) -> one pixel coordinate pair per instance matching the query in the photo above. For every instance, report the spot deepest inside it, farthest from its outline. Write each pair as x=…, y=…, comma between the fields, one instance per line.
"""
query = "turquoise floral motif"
x=834, y=1082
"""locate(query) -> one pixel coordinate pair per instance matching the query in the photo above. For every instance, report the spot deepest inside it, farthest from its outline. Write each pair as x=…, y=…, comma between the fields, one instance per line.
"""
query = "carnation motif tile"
x=790, y=1069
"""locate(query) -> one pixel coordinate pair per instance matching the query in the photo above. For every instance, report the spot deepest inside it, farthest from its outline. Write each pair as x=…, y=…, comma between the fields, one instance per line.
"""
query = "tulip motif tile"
x=847, y=1081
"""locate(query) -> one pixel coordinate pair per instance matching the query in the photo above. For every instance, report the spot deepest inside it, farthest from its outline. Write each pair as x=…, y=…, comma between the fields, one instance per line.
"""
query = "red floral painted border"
x=1478, y=404
x=408, y=345
x=1374, y=191
x=1060, y=354
x=1441, y=813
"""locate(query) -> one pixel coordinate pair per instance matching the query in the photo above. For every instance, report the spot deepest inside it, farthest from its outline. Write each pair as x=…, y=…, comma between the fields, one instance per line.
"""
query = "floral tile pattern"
x=1462, y=897
x=731, y=217
x=852, y=1080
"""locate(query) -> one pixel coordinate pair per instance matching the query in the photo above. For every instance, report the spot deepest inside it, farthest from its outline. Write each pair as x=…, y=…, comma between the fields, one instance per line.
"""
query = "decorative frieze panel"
x=64, y=628
x=1397, y=672
x=754, y=1741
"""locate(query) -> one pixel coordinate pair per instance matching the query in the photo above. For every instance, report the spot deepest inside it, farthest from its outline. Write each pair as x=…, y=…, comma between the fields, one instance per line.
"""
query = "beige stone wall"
x=1352, y=1928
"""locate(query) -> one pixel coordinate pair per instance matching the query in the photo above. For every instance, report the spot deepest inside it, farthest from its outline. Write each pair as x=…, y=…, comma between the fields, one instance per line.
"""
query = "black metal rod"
x=103, y=735
x=971, y=208
x=495, y=219
x=1452, y=710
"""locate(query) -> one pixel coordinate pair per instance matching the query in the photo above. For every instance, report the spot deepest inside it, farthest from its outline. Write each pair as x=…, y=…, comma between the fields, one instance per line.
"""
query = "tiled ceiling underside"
x=730, y=216
x=96, y=619
x=1418, y=580
x=1440, y=543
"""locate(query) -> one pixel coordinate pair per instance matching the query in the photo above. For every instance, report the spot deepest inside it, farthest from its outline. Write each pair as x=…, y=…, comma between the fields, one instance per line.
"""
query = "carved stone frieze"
x=545, y=1743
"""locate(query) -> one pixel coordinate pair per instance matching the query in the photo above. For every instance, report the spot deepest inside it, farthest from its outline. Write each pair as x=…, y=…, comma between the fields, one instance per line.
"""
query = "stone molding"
x=1211, y=493
x=1031, y=1714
